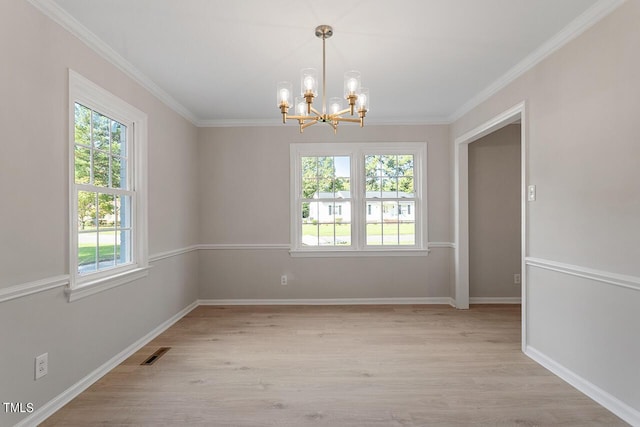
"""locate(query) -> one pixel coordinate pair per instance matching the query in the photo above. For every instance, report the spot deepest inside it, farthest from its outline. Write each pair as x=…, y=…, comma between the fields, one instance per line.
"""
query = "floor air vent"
x=155, y=356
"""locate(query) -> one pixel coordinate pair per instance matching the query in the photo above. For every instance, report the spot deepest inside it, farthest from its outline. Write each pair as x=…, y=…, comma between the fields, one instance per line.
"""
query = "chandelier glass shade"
x=333, y=112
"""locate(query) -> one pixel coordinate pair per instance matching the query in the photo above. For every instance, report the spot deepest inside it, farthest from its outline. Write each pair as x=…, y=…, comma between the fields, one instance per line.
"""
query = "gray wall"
x=584, y=157
x=494, y=214
x=244, y=173
x=34, y=232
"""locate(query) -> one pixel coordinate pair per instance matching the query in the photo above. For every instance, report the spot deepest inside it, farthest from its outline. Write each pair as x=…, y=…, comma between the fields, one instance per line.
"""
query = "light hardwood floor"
x=336, y=366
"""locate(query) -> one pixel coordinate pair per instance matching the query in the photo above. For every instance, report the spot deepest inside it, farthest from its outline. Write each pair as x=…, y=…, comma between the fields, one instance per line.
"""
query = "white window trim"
x=357, y=152
x=87, y=93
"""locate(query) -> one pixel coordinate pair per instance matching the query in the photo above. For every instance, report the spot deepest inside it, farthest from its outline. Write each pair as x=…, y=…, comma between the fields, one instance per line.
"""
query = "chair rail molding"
x=625, y=281
x=175, y=252
x=29, y=288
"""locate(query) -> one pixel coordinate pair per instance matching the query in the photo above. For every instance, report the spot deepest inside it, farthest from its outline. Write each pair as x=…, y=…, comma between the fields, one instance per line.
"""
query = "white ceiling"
x=218, y=61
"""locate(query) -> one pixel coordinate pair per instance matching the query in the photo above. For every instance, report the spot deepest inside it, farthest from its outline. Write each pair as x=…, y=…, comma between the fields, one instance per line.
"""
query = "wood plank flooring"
x=336, y=366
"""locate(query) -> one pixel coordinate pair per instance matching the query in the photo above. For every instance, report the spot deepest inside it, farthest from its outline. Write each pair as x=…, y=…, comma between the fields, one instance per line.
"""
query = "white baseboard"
x=329, y=301
x=66, y=396
x=495, y=300
x=619, y=408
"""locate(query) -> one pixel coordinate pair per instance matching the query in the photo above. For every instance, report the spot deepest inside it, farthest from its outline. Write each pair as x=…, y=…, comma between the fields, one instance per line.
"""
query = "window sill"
x=301, y=253
x=92, y=287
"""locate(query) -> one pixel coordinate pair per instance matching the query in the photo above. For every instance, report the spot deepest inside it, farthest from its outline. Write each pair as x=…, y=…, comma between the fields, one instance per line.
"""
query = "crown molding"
x=230, y=123
x=410, y=121
x=273, y=122
x=52, y=10
x=590, y=17
x=579, y=25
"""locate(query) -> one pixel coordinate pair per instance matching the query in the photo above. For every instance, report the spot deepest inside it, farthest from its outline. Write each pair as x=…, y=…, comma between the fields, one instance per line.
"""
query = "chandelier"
x=356, y=96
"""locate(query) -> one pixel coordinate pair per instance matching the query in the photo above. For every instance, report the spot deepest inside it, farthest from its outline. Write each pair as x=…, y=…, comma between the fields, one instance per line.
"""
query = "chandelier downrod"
x=305, y=113
x=324, y=72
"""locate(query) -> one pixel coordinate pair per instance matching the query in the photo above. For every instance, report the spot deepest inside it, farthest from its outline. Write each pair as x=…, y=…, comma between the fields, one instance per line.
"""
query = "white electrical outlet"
x=516, y=279
x=531, y=193
x=42, y=365
x=283, y=279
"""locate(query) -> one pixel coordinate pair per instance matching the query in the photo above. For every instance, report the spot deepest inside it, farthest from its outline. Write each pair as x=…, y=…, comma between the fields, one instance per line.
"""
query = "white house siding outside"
x=388, y=222
x=329, y=208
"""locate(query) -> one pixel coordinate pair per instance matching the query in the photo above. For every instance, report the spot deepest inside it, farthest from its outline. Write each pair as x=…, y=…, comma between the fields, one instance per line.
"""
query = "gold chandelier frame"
x=306, y=115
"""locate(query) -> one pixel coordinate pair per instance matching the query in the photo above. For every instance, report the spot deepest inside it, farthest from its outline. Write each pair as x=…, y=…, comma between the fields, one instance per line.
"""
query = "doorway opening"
x=494, y=217
x=516, y=114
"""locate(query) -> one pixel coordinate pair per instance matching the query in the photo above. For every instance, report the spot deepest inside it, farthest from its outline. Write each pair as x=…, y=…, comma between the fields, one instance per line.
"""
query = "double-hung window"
x=358, y=198
x=390, y=196
x=325, y=190
x=107, y=189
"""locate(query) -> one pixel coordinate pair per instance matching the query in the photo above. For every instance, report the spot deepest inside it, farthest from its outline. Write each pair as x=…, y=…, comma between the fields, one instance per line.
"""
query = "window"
x=107, y=188
x=364, y=198
x=390, y=194
x=337, y=208
x=103, y=191
x=325, y=188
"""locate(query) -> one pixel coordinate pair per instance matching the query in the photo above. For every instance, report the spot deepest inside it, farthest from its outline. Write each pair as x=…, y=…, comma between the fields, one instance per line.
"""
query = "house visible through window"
x=357, y=196
x=337, y=209
x=325, y=190
x=390, y=194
